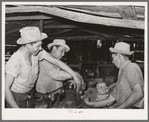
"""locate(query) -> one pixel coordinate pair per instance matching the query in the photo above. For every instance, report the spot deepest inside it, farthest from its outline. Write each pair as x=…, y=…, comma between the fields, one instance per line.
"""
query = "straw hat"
x=61, y=42
x=121, y=47
x=30, y=34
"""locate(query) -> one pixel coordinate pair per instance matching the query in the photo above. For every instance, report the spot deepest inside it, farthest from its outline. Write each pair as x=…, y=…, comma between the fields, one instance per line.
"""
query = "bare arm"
x=54, y=72
x=110, y=100
x=62, y=66
x=136, y=95
x=9, y=96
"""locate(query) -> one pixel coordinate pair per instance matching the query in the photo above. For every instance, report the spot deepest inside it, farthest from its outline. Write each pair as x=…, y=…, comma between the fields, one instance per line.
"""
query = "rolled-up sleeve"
x=41, y=55
x=12, y=66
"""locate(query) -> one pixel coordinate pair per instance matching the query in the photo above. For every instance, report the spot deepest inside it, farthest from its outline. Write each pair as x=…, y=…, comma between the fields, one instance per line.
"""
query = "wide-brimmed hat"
x=61, y=42
x=30, y=34
x=121, y=47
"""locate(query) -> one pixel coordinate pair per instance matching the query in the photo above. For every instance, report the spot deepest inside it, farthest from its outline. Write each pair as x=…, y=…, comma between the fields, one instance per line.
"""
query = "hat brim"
x=52, y=44
x=25, y=41
x=119, y=51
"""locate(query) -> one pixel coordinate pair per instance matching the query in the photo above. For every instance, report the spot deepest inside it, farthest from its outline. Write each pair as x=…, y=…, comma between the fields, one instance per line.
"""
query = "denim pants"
x=23, y=100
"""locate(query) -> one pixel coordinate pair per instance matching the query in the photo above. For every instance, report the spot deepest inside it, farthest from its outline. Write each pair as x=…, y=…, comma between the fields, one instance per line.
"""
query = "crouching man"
x=128, y=91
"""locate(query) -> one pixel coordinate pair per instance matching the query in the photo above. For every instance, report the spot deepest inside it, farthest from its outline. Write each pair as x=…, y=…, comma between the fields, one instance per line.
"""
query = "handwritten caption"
x=74, y=111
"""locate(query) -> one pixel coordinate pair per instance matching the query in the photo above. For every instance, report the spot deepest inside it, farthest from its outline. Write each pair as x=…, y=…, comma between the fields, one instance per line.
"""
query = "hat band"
x=122, y=51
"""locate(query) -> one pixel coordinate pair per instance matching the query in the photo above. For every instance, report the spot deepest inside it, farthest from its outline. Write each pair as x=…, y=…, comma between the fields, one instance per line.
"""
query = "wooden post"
x=97, y=70
x=80, y=63
x=41, y=25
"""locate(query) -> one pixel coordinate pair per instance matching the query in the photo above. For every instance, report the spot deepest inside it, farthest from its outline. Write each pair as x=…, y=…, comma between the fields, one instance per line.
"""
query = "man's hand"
x=78, y=82
x=86, y=100
x=72, y=82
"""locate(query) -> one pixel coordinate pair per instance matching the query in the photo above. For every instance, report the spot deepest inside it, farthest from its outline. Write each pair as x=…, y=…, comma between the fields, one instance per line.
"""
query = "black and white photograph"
x=74, y=61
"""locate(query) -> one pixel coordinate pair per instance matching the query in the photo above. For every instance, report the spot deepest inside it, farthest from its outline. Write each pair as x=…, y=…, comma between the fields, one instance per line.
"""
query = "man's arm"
x=62, y=66
x=136, y=95
x=54, y=72
x=110, y=100
x=8, y=94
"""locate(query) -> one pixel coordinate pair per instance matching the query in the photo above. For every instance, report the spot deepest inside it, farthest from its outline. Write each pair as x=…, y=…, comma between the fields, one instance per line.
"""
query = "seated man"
x=50, y=76
x=128, y=91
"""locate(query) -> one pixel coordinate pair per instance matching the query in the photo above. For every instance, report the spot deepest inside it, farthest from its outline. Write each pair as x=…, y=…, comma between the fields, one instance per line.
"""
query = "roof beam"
x=100, y=10
x=100, y=34
x=60, y=32
x=17, y=29
x=90, y=11
x=19, y=23
x=79, y=17
x=35, y=17
x=95, y=37
x=127, y=12
x=93, y=32
x=109, y=36
x=79, y=38
x=61, y=26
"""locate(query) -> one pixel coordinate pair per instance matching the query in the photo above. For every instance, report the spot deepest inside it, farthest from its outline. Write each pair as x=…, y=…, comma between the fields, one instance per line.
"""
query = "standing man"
x=22, y=68
x=51, y=77
x=128, y=91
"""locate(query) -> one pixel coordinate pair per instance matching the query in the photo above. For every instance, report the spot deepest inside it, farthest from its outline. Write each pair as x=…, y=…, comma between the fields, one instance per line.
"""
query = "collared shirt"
x=129, y=75
x=50, y=77
x=25, y=75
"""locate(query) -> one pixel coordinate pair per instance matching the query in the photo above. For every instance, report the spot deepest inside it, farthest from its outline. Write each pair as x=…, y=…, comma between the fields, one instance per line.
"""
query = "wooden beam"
x=17, y=29
x=96, y=8
x=100, y=10
x=34, y=17
x=78, y=38
x=92, y=38
x=13, y=31
x=19, y=23
x=93, y=32
x=15, y=35
x=61, y=26
x=41, y=25
x=127, y=12
x=103, y=35
x=79, y=17
x=91, y=11
x=60, y=32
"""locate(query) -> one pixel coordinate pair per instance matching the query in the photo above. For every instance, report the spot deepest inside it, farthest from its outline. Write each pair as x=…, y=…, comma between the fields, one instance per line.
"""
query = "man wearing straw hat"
x=22, y=68
x=51, y=77
x=128, y=91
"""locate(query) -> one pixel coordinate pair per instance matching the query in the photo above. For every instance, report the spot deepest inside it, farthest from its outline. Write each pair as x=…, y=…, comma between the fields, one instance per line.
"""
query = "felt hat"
x=30, y=34
x=60, y=42
x=121, y=47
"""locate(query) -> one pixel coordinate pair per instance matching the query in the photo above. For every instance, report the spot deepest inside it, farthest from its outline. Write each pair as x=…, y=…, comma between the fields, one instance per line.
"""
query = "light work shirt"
x=129, y=75
x=50, y=77
x=24, y=75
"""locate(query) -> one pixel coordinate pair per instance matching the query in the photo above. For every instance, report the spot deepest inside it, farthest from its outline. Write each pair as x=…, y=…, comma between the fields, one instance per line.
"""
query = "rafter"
x=127, y=12
x=59, y=32
x=95, y=37
x=79, y=17
x=17, y=29
x=61, y=26
x=34, y=17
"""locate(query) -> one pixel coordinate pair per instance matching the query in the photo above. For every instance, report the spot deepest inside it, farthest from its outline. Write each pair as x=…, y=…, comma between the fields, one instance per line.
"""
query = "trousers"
x=23, y=100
